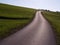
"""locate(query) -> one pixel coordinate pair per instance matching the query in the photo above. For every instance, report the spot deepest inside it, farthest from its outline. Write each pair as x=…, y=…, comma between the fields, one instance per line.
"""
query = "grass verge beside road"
x=54, y=19
x=13, y=18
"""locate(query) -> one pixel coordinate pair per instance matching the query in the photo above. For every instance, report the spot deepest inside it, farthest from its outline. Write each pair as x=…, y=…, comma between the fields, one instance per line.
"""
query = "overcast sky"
x=39, y=4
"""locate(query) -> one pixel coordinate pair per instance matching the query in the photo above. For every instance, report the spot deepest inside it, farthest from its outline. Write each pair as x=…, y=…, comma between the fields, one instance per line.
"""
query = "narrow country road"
x=38, y=32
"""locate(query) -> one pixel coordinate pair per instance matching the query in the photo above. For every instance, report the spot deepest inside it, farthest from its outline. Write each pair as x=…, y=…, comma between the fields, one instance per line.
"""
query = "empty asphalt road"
x=38, y=32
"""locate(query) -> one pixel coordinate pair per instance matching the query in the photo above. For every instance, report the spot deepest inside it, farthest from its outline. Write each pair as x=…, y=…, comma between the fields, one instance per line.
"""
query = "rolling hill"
x=13, y=18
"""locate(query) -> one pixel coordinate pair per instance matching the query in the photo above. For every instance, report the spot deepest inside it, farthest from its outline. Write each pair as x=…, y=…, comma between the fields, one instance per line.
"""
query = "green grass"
x=14, y=11
x=8, y=26
x=54, y=19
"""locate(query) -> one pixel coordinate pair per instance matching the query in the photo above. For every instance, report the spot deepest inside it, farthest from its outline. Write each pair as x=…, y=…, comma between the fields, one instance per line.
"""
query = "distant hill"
x=14, y=11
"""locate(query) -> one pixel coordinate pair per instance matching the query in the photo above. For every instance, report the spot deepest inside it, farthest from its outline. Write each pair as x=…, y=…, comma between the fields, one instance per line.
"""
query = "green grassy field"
x=8, y=26
x=54, y=19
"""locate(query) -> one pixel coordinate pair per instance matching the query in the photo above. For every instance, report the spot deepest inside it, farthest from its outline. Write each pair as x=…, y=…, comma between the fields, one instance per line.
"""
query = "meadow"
x=14, y=18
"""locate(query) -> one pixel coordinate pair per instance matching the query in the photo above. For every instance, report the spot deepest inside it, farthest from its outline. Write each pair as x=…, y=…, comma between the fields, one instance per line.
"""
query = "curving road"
x=38, y=32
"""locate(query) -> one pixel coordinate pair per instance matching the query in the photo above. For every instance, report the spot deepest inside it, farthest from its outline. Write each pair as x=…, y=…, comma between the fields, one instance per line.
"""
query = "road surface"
x=38, y=32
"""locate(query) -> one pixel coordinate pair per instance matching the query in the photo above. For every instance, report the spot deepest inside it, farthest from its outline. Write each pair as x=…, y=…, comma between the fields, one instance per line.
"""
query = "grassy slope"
x=6, y=25
x=54, y=18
